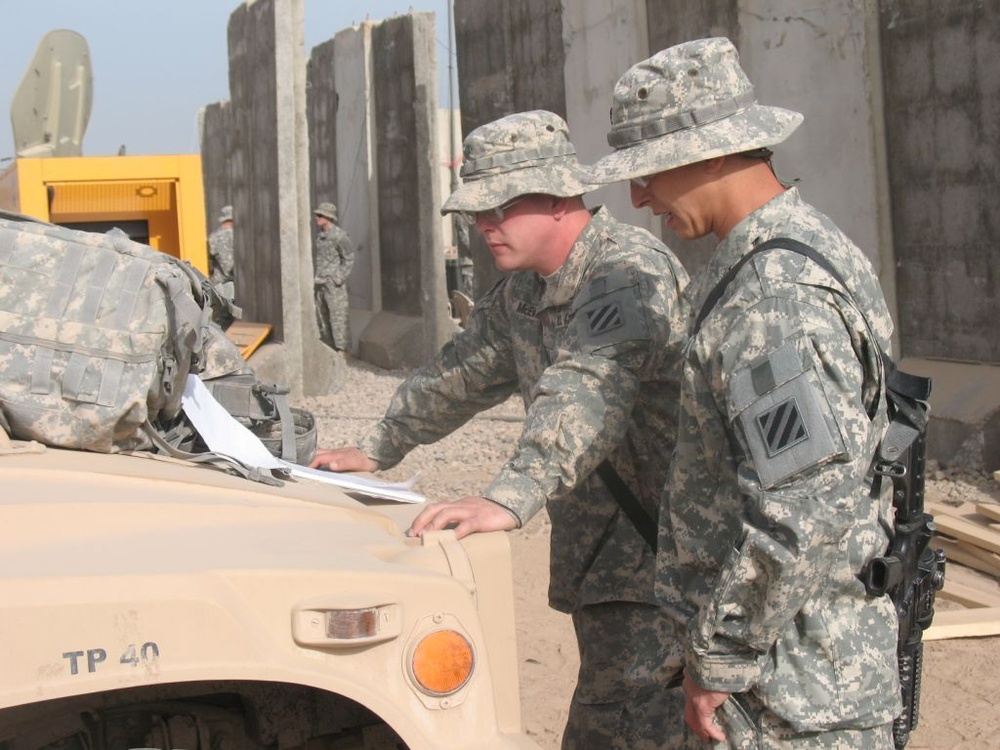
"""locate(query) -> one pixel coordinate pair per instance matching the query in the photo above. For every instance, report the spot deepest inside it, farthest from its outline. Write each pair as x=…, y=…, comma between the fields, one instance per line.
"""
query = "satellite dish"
x=51, y=107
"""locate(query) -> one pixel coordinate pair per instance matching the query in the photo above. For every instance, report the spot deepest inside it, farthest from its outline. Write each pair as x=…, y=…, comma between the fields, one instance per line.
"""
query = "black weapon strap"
x=907, y=394
x=629, y=503
x=786, y=243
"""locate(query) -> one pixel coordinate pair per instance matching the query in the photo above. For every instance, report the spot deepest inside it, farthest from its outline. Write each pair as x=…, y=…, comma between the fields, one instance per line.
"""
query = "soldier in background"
x=587, y=327
x=333, y=258
x=769, y=515
x=220, y=250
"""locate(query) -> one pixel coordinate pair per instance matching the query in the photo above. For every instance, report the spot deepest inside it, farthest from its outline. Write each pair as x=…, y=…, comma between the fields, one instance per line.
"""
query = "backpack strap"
x=218, y=460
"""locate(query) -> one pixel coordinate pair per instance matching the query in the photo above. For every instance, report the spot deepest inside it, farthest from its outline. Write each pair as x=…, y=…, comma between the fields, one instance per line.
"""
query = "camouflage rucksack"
x=97, y=337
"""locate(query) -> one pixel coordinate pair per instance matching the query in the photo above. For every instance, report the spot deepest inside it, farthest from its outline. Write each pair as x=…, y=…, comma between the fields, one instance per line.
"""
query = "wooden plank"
x=248, y=336
x=966, y=510
x=968, y=555
x=990, y=510
x=970, y=596
x=964, y=623
x=967, y=531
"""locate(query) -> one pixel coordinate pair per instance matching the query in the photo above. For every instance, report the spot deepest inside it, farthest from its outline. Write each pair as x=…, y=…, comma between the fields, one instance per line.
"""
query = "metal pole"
x=451, y=103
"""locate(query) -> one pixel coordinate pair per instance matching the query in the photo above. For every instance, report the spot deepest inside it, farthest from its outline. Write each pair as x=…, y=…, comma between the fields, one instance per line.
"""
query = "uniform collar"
x=561, y=286
x=751, y=230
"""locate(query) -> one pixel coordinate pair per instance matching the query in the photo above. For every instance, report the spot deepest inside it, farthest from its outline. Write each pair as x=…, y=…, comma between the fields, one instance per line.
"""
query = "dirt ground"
x=960, y=707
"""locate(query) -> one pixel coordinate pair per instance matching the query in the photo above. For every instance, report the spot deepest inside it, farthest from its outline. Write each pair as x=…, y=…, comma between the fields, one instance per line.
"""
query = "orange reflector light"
x=347, y=624
x=442, y=662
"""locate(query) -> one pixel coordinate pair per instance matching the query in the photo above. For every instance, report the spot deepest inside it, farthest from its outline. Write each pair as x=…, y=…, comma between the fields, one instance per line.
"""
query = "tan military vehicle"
x=148, y=603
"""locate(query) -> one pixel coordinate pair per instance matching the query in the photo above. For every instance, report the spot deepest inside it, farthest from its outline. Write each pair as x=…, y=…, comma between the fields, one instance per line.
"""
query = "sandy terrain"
x=960, y=707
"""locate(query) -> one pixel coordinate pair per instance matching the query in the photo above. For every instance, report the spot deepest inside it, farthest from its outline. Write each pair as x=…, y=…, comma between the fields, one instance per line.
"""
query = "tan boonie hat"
x=685, y=104
x=326, y=209
x=226, y=214
x=520, y=154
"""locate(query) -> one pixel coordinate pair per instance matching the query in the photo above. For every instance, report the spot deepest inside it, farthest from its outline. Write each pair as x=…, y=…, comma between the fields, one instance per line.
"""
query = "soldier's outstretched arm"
x=467, y=515
x=342, y=459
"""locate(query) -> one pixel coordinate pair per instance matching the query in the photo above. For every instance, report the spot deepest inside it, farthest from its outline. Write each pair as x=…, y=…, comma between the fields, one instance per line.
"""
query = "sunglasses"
x=490, y=214
x=642, y=182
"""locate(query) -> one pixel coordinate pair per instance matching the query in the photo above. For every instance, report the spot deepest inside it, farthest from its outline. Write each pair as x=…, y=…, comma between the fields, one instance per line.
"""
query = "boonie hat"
x=685, y=104
x=329, y=210
x=226, y=214
x=520, y=154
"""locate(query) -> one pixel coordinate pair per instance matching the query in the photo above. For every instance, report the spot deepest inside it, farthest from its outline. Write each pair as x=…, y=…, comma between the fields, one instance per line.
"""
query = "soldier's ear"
x=559, y=206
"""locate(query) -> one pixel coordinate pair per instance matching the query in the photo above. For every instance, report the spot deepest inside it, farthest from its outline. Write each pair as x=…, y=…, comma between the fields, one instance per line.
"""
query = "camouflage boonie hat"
x=685, y=104
x=226, y=214
x=326, y=209
x=520, y=154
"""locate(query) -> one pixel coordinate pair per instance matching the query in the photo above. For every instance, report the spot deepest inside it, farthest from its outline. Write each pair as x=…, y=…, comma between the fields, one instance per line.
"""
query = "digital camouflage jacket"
x=767, y=520
x=594, y=351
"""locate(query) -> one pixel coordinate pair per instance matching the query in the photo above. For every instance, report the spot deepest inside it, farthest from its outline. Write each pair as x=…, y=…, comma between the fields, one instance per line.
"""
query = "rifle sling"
x=629, y=504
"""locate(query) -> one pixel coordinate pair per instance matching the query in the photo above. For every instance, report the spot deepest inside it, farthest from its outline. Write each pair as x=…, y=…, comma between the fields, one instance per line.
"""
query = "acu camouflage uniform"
x=220, y=250
x=333, y=258
x=593, y=349
x=768, y=520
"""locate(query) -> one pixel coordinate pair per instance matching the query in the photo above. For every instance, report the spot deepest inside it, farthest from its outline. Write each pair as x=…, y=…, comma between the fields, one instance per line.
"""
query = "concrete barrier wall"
x=942, y=101
x=321, y=115
x=357, y=187
x=215, y=128
x=602, y=40
x=254, y=162
x=414, y=320
x=269, y=178
x=511, y=58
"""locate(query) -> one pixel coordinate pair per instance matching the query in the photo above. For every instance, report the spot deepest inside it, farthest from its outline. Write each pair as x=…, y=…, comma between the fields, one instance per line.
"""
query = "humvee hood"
x=78, y=514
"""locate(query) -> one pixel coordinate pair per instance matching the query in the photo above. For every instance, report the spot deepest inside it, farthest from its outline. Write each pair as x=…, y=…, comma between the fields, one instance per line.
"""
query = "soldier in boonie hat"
x=775, y=439
x=685, y=104
x=521, y=154
x=587, y=325
x=327, y=209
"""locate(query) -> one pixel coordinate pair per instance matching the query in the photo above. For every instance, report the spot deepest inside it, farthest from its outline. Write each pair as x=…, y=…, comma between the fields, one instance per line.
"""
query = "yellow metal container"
x=157, y=200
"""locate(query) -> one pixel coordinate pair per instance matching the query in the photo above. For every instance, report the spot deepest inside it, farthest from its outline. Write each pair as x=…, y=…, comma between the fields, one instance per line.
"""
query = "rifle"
x=910, y=572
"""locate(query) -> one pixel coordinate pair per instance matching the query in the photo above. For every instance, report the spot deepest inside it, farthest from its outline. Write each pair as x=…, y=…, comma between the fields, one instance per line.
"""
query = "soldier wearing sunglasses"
x=587, y=327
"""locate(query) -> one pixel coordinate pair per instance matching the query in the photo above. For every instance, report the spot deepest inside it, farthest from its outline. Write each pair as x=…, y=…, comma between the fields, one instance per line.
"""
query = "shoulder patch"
x=782, y=427
x=604, y=317
x=782, y=412
x=611, y=319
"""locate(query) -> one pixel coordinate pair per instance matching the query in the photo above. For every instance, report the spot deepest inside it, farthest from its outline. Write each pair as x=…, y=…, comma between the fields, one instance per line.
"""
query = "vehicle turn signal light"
x=442, y=662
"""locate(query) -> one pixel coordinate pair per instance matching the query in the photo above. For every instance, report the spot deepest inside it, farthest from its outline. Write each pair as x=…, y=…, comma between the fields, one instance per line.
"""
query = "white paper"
x=223, y=434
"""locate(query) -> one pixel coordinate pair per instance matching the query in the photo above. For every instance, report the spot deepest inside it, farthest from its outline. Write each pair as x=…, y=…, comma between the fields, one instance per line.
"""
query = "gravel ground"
x=460, y=464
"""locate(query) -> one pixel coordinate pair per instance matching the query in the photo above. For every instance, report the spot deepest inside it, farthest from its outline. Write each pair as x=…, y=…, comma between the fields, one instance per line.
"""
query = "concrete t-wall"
x=511, y=58
x=270, y=189
x=214, y=128
x=357, y=186
x=414, y=320
x=602, y=40
x=321, y=114
x=942, y=70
